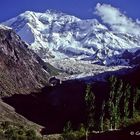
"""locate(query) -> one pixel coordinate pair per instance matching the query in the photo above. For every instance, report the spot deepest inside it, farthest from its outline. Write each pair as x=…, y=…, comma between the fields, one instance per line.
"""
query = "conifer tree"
x=101, y=118
x=90, y=104
x=137, y=99
x=126, y=101
x=132, y=102
x=110, y=103
x=114, y=101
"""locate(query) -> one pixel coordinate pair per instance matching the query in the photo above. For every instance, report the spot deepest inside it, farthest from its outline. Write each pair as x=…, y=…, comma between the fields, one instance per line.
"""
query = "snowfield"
x=76, y=46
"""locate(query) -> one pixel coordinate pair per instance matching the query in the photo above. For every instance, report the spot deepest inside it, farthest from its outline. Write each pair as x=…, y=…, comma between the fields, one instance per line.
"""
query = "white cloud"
x=117, y=20
x=137, y=21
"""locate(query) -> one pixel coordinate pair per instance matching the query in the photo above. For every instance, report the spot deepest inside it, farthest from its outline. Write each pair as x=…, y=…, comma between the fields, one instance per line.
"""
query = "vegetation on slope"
x=15, y=131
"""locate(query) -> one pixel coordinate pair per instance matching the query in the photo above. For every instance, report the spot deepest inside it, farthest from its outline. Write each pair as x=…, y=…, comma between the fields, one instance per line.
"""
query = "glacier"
x=60, y=39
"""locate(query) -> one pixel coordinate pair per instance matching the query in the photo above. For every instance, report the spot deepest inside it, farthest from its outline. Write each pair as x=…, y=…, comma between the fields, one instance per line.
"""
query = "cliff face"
x=21, y=70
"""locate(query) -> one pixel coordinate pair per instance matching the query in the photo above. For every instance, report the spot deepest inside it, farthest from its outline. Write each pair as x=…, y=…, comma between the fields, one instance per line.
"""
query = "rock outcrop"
x=21, y=70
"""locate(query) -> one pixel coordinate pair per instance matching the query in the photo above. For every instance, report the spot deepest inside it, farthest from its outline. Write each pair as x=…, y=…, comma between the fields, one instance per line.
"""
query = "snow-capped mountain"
x=58, y=36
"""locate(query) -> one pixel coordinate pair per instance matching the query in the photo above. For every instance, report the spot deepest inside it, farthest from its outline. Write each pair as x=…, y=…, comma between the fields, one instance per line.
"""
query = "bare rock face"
x=21, y=70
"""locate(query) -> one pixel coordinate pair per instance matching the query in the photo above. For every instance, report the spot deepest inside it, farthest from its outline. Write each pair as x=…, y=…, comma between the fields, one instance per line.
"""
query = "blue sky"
x=79, y=8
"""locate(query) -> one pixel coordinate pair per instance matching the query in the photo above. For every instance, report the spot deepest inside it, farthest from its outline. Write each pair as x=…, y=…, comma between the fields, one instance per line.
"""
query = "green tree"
x=126, y=101
x=137, y=99
x=101, y=117
x=116, y=101
x=31, y=134
x=132, y=102
x=109, y=103
x=68, y=127
x=90, y=105
x=5, y=125
x=113, y=101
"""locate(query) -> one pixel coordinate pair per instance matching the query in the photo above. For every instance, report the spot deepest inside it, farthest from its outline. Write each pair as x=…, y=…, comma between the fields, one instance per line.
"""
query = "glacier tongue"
x=55, y=36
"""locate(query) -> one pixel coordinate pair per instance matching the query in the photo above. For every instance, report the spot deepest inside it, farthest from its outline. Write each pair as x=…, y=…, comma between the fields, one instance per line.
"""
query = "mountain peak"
x=54, y=35
x=52, y=11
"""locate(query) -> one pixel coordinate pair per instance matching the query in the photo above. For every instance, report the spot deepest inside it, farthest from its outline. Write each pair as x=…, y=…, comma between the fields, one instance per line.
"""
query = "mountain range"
x=60, y=38
x=34, y=42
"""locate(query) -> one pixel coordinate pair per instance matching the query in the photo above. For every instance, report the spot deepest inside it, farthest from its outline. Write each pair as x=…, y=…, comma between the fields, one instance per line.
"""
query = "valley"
x=98, y=72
